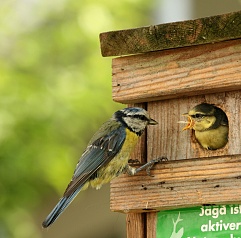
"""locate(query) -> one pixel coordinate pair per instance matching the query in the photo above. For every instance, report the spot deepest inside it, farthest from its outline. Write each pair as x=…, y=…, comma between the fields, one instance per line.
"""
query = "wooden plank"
x=168, y=139
x=151, y=223
x=181, y=183
x=171, y=35
x=177, y=73
x=135, y=225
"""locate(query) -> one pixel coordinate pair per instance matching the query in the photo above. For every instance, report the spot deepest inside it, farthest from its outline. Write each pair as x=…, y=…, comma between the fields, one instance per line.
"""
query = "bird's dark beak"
x=152, y=122
x=190, y=122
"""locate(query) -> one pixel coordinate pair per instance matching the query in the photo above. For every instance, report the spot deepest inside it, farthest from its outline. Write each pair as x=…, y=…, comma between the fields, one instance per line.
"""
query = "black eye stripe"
x=198, y=115
x=142, y=117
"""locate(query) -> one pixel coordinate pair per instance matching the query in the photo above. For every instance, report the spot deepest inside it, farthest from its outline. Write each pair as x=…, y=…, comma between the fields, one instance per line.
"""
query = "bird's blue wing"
x=97, y=154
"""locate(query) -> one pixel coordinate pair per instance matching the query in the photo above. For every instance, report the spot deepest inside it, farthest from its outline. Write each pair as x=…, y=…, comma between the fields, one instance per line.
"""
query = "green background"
x=55, y=92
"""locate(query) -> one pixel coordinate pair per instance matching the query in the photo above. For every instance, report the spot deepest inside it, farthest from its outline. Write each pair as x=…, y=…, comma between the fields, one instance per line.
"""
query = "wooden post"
x=172, y=68
x=136, y=222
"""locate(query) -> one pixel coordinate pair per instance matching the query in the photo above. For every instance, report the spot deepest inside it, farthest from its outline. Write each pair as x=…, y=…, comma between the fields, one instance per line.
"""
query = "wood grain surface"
x=192, y=176
x=168, y=139
x=171, y=35
x=182, y=183
x=177, y=73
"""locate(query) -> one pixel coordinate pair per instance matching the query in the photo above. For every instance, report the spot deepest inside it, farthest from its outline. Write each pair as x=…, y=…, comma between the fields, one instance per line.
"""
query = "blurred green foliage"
x=55, y=91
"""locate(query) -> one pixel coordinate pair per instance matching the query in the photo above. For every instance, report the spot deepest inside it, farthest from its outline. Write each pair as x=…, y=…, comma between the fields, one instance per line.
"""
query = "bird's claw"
x=154, y=161
x=133, y=161
x=162, y=159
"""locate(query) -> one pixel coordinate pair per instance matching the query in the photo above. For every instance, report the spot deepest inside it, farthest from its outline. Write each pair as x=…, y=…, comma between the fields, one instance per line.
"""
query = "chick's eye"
x=199, y=116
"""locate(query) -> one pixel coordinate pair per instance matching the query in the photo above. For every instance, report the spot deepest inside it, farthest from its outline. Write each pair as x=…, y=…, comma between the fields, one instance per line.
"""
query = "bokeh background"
x=55, y=91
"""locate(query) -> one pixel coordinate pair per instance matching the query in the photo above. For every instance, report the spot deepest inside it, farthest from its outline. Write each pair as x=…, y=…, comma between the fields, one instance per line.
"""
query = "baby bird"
x=210, y=124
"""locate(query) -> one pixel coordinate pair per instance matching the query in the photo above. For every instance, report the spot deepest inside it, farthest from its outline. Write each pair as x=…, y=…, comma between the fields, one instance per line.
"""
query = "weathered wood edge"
x=182, y=183
x=171, y=35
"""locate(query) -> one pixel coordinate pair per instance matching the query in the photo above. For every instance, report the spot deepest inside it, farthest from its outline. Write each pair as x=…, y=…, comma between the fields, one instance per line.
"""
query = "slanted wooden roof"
x=171, y=35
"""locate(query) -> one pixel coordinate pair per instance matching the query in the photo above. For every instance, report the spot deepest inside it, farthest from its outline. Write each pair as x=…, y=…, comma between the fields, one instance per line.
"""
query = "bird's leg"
x=132, y=171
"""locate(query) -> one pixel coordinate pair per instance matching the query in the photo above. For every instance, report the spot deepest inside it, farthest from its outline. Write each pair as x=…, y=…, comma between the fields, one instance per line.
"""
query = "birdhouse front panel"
x=176, y=144
x=172, y=82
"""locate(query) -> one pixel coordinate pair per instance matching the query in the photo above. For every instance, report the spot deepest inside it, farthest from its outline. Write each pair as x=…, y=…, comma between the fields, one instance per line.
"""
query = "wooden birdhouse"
x=168, y=69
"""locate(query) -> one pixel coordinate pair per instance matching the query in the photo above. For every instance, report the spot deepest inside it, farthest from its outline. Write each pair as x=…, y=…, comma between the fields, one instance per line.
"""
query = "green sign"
x=200, y=222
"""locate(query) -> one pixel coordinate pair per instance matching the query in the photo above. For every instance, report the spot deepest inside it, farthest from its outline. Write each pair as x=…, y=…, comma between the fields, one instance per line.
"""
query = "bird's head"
x=135, y=118
x=201, y=117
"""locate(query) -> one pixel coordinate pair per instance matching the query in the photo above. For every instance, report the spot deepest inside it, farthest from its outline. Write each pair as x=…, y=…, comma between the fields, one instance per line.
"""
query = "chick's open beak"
x=190, y=122
x=152, y=122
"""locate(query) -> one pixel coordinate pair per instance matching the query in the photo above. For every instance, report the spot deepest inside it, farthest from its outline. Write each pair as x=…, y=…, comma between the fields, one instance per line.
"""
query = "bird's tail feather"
x=59, y=209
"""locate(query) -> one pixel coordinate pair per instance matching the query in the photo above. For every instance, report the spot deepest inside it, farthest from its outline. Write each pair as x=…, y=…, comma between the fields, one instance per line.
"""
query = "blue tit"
x=106, y=156
x=210, y=125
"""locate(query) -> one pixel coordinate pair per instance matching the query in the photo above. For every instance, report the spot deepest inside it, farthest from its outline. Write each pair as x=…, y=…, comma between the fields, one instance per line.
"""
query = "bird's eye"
x=143, y=118
x=199, y=116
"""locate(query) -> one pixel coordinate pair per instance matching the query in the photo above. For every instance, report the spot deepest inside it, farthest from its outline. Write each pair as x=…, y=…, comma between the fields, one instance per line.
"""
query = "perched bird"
x=106, y=156
x=210, y=124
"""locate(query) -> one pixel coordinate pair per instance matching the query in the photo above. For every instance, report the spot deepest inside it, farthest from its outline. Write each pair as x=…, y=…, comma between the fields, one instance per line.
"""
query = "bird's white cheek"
x=197, y=126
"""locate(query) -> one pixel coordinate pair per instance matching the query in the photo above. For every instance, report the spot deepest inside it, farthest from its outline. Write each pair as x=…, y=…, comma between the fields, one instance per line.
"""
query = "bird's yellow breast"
x=118, y=163
x=213, y=139
x=129, y=144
